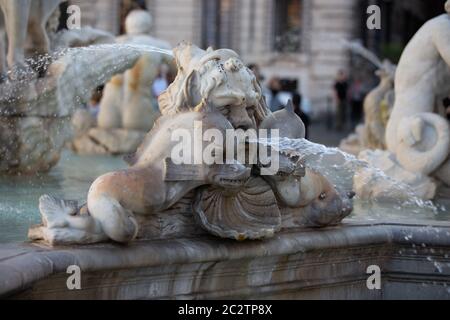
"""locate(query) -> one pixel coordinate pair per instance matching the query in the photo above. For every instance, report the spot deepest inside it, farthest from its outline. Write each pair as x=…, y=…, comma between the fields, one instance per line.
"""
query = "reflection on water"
x=71, y=179
x=74, y=174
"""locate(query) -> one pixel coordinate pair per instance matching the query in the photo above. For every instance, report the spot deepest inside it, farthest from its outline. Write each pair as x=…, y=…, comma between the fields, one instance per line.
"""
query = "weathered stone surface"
x=320, y=264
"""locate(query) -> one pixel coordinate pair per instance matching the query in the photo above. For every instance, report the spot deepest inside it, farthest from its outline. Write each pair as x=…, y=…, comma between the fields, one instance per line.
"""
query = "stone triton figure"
x=147, y=187
x=231, y=200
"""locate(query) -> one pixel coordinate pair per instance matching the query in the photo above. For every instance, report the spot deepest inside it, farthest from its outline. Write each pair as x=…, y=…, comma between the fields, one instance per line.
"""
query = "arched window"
x=217, y=23
x=287, y=25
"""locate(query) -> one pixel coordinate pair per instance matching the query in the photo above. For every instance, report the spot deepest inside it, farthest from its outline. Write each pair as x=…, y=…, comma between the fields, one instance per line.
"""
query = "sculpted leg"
x=118, y=223
x=138, y=112
x=110, y=114
x=16, y=13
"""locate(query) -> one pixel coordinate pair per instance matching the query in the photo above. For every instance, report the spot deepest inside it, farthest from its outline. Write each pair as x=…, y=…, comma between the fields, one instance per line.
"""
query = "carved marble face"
x=234, y=93
x=218, y=79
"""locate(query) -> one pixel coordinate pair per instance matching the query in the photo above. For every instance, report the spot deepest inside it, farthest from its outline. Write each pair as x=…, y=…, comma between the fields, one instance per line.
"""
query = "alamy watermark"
x=240, y=145
x=74, y=19
x=74, y=280
x=374, y=19
x=374, y=280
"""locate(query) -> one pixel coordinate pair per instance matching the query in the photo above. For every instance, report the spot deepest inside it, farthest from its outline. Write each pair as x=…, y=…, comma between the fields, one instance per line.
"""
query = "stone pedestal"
x=300, y=264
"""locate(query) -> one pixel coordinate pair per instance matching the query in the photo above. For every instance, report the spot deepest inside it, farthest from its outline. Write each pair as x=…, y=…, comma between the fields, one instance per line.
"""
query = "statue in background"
x=39, y=96
x=377, y=106
x=26, y=19
x=128, y=109
x=418, y=132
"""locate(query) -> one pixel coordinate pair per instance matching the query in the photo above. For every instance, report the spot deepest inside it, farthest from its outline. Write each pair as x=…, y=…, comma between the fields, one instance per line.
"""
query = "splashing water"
x=142, y=48
x=85, y=68
x=42, y=61
x=357, y=47
x=341, y=168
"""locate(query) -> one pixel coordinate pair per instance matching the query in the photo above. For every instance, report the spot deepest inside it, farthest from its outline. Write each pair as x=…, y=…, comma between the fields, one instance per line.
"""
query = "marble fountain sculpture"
x=377, y=106
x=127, y=109
x=230, y=200
x=168, y=229
x=36, y=104
x=266, y=225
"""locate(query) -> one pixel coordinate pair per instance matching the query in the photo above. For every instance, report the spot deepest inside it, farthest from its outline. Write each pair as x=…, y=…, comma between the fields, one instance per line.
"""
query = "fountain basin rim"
x=22, y=265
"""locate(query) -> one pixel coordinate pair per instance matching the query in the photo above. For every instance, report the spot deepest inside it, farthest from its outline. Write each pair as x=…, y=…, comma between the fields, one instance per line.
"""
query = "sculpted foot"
x=64, y=223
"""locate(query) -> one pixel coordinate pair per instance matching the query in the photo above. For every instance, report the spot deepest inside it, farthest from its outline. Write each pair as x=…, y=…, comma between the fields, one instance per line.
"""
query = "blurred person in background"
x=275, y=88
x=93, y=105
x=340, y=94
x=356, y=101
x=297, y=102
x=161, y=83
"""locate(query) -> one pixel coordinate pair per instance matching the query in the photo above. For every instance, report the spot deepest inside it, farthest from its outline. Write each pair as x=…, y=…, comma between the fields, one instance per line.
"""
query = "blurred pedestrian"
x=161, y=83
x=357, y=99
x=297, y=102
x=340, y=93
x=93, y=105
x=275, y=88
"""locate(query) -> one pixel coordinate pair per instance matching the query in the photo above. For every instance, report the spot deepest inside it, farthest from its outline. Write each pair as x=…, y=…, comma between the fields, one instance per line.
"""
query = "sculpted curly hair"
x=193, y=84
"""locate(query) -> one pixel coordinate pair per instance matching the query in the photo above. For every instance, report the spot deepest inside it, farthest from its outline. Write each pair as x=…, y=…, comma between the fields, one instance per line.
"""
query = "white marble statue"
x=417, y=132
x=230, y=200
x=377, y=107
x=131, y=105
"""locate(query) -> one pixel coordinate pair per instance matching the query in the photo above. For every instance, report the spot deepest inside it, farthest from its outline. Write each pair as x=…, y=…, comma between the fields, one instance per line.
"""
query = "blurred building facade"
x=400, y=21
x=298, y=40
x=291, y=39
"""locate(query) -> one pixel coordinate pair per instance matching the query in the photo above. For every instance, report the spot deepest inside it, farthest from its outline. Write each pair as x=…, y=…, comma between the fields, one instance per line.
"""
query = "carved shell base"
x=249, y=213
